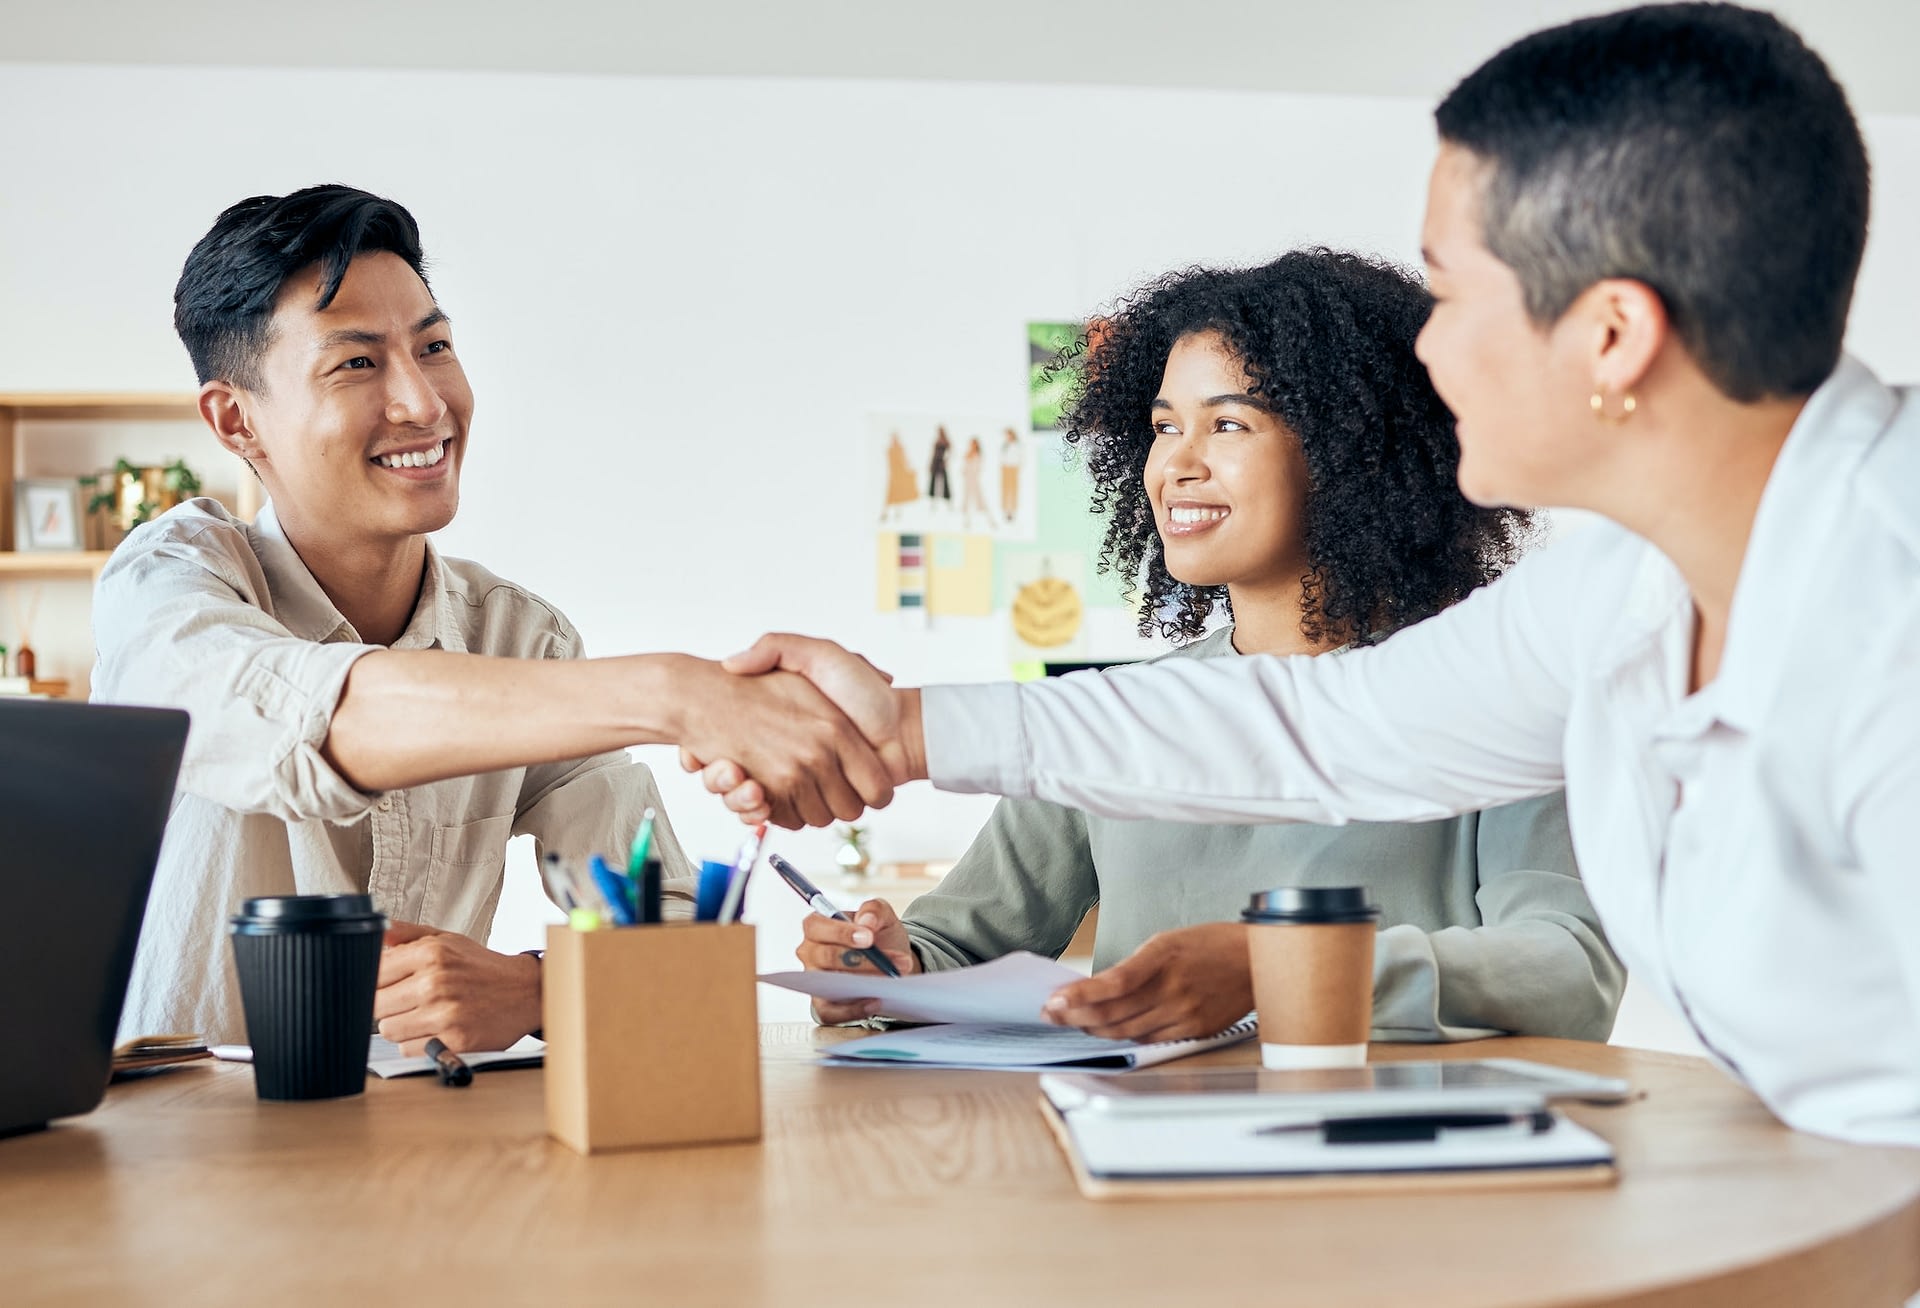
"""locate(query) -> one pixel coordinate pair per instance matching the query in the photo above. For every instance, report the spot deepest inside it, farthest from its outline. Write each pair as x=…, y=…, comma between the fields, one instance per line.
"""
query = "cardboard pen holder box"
x=653, y=1036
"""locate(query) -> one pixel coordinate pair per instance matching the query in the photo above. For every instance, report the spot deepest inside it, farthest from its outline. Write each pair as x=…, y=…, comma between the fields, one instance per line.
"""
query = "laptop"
x=85, y=791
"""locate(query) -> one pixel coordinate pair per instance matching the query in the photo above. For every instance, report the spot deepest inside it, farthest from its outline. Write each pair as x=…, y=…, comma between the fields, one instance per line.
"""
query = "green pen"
x=642, y=842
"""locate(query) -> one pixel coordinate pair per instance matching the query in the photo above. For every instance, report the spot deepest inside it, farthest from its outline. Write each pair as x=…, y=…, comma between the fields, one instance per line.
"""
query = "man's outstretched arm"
x=408, y=717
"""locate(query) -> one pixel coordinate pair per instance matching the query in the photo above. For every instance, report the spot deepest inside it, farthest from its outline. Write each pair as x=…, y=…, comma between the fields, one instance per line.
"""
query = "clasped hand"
x=839, y=747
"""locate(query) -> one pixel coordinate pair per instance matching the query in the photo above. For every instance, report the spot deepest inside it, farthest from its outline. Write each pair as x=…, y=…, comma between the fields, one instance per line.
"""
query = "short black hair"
x=1701, y=149
x=1326, y=339
x=223, y=303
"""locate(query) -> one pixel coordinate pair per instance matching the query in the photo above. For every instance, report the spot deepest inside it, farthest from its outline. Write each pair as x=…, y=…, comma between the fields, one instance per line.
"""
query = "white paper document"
x=385, y=1060
x=1022, y=1048
x=1009, y=990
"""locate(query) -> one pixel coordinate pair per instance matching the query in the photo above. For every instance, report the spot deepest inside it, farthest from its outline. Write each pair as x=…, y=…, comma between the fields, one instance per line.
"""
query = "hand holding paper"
x=1178, y=985
x=1010, y=989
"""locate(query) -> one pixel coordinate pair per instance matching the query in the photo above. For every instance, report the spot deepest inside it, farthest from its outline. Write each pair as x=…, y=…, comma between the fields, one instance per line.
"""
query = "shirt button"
x=386, y=802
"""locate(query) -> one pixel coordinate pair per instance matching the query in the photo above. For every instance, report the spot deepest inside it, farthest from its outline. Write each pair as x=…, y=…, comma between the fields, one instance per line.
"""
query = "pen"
x=554, y=876
x=711, y=894
x=616, y=889
x=453, y=1071
x=642, y=842
x=646, y=892
x=1395, y=1128
x=750, y=850
x=820, y=904
x=576, y=882
x=736, y=901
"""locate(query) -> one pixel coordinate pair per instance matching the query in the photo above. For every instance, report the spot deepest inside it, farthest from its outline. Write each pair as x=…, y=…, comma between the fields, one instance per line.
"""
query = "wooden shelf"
x=47, y=420
x=52, y=563
x=100, y=405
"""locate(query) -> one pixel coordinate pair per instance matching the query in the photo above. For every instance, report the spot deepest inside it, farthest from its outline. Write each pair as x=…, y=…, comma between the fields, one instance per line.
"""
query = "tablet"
x=1378, y=1087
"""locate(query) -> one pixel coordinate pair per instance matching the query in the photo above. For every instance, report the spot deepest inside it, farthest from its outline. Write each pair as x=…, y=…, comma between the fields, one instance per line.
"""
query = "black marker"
x=820, y=904
x=1401, y=1128
x=453, y=1070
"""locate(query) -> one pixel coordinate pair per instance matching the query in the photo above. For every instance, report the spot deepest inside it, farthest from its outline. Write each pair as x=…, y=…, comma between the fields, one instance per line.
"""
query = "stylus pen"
x=452, y=1068
x=820, y=904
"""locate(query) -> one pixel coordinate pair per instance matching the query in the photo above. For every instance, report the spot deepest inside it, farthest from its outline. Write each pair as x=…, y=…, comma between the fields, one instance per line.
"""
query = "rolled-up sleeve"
x=1025, y=882
x=180, y=621
x=1539, y=963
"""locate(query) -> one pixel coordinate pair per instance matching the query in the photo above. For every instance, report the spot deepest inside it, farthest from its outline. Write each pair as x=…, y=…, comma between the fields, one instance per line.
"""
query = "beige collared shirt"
x=201, y=611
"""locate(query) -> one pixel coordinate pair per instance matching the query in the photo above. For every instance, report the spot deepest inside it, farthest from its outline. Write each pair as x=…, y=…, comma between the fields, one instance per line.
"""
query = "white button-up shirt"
x=1750, y=847
x=201, y=611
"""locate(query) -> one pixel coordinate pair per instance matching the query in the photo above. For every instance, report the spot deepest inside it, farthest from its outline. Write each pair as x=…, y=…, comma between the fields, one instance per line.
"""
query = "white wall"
x=677, y=297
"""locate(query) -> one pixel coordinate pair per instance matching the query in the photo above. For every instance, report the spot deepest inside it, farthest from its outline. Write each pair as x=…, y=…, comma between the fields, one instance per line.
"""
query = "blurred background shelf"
x=37, y=563
x=66, y=436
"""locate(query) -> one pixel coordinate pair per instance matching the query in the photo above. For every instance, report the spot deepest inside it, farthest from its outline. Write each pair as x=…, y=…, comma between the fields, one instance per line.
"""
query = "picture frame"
x=47, y=515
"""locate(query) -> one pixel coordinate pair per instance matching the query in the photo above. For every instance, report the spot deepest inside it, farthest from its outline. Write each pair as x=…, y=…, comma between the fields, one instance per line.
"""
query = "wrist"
x=658, y=696
x=535, y=962
x=913, y=736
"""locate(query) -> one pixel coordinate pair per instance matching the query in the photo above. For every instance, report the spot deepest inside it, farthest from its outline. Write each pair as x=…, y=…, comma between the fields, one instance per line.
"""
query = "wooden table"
x=904, y=1187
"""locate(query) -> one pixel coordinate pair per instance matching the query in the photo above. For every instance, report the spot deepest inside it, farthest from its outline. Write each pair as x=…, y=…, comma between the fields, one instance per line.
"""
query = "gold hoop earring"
x=1599, y=406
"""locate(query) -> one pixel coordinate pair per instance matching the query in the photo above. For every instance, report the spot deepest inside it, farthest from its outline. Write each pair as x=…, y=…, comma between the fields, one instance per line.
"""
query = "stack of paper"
x=991, y=1017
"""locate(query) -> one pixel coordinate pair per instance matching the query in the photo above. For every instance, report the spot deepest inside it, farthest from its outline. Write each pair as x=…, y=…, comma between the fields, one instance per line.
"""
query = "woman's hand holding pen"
x=808, y=763
x=828, y=945
x=889, y=719
x=1179, y=985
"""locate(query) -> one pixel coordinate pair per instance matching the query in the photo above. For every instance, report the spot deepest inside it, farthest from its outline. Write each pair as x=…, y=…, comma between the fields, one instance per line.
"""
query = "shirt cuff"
x=302, y=689
x=975, y=738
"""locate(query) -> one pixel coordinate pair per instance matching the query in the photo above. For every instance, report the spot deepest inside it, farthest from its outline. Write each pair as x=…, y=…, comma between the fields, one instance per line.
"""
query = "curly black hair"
x=1326, y=338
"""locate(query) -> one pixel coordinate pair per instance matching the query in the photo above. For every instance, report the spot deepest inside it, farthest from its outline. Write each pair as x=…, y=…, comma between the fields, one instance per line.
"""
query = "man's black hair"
x=1701, y=149
x=223, y=303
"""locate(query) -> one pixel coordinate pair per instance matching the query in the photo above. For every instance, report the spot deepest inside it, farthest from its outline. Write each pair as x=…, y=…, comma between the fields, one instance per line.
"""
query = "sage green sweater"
x=1485, y=927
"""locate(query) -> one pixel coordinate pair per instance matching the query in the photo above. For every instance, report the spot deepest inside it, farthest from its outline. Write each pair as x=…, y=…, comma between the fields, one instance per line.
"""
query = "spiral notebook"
x=1021, y=1047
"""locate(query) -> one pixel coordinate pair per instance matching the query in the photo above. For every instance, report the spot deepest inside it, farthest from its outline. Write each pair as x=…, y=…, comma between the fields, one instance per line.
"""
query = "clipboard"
x=1585, y=1175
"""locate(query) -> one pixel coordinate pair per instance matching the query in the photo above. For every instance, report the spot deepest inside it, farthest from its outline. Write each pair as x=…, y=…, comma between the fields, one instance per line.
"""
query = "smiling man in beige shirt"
x=369, y=715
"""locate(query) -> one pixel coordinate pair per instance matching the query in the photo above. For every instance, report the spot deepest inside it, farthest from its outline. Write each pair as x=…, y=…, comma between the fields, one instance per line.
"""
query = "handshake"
x=800, y=732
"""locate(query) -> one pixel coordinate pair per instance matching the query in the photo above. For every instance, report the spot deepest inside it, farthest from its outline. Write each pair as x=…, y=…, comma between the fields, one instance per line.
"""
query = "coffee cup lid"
x=274, y=914
x=307, y=908
x=1311, y=904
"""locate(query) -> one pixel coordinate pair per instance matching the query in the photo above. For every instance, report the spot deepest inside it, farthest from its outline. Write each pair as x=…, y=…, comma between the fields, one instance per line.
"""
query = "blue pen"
x=714, y=877
x=614, y=888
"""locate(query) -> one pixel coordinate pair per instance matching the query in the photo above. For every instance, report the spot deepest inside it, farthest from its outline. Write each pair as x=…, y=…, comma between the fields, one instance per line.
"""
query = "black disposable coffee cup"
x=308, y=966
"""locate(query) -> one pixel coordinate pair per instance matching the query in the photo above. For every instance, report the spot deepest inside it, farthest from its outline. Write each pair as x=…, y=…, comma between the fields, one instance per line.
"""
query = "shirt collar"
x=304, y=609
x=1805, y=499
x=1783, y=562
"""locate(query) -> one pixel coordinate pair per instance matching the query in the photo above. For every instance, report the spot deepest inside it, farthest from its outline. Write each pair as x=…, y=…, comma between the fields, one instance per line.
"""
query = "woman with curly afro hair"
x=1265, y=445
x=1359, y=520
